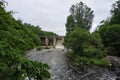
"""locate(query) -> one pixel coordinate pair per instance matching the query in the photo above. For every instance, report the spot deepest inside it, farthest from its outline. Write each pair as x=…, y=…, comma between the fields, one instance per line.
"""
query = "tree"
x=110, y=31
x=84, y=44
x=70, y=25
x=115, y=19
x=80, y=16
x=15, y=39
x=14, y=67
x=77, y=39
x=111, y=38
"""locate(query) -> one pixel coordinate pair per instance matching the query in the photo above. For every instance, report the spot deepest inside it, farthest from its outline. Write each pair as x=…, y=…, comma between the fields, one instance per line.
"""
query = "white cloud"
x=51, y=15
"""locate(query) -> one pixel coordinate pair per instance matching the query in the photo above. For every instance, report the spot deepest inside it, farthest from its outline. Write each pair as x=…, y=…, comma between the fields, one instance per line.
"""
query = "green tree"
x=15, y=39
x=70, y=25
x=77, y=40
x=84, y=44
x=110, y=31
x=111, y=38
x=81, y=16
x=115, y=19
x=14, y=67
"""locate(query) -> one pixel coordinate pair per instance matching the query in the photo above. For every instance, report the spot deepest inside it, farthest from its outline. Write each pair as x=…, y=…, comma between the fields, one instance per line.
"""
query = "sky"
x=51, y=15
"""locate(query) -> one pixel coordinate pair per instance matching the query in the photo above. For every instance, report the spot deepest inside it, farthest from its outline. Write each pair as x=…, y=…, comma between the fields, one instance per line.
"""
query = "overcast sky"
x=51, y=15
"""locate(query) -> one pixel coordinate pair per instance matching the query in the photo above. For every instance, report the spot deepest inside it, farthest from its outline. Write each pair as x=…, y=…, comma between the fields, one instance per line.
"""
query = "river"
x=57, y=60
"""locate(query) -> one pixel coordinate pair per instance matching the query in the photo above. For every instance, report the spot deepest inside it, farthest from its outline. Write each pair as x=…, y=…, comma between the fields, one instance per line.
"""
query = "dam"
x=54, y=41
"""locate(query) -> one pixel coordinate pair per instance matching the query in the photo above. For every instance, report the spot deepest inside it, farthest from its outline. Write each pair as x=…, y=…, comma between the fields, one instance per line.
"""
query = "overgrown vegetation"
x=89, y=47
x=14, y=67
x=81, y=16
x=77, y=61
x=111, y=39
x=86, y=47
x=17, y=37
x=110, y=31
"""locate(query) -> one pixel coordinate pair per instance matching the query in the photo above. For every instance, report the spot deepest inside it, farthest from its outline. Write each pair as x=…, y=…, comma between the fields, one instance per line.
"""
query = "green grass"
x=78, y=60
x=38, y=48
x=101, y=62
x=95, y=61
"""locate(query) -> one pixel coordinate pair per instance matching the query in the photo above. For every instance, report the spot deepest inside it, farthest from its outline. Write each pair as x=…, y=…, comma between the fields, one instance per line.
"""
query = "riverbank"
x=93, y=72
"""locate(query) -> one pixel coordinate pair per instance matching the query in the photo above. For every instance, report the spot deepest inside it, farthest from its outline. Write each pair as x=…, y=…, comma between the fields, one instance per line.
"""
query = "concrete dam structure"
x=55, y=41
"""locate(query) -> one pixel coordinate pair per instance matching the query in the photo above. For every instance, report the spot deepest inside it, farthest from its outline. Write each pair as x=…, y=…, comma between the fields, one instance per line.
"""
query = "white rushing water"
x=57, y=60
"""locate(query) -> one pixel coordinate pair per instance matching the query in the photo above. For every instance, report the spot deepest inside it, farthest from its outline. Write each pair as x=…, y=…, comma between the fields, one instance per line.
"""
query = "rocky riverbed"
x=58, y=61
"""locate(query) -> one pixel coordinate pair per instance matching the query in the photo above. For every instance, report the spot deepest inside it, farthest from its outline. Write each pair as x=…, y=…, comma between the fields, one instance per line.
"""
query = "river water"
x=57, y=60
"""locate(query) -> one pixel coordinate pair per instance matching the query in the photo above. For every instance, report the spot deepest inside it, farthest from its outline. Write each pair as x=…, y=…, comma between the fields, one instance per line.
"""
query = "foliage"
x=80, y=16
x=16, y=38
x=80, y=60
x=96, y=45
x=115, y=19
x=45, y=33
x=115, y=14
x=38, y=48
x=101, y=62
x=111, y=38
x=37, y=30
x=15, y=67
x=110, y=31
x=77, y=39
x=70, y=25
x=78, y=24
x=85, y=44
x=98, y=62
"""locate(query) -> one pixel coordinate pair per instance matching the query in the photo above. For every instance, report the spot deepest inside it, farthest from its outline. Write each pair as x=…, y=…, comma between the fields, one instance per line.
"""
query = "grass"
x=78, y=60
x=39, y=48
x=101, y=62
x=42, y=47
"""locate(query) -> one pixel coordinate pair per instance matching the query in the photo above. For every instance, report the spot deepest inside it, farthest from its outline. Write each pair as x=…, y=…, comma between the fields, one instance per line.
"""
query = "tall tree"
x=81, y=16
x=115, y=19
x=15, y=39
x=110, y=31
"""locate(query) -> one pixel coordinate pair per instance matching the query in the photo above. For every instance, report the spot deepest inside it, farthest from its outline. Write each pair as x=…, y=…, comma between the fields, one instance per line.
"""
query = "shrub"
x=39, y=48
x=77, y=40
x=85, y=44
x=15, y=39
x=14, y=67
x=110, y=36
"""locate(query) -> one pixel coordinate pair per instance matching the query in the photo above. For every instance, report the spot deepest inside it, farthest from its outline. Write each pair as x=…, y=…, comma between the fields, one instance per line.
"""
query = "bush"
x=85, y=44
x=95, y=47
x=101, y=62
x=77, y=40
x=14, y=67
x=15, y=39
x=38, y=48
x=77, y=60
x=110, y=36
